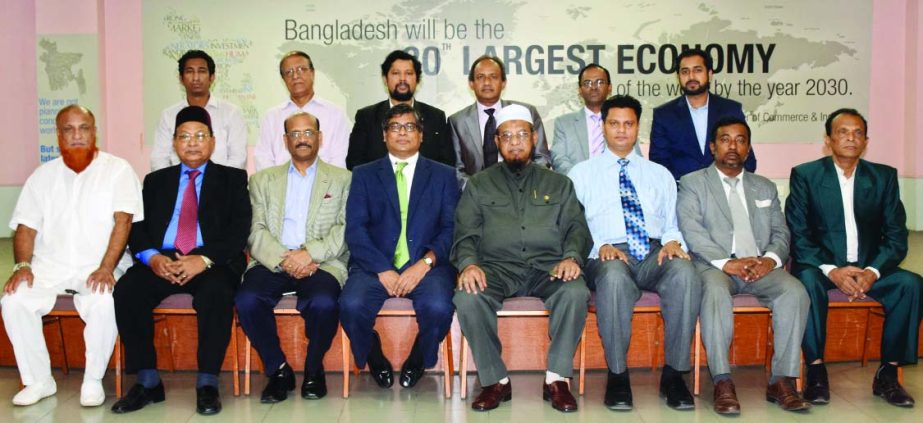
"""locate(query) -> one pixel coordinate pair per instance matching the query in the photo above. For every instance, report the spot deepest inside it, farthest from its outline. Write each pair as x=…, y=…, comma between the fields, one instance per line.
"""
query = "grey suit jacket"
x=326, y=218
x=571, y=143
x=705, y=217
x=469, y=145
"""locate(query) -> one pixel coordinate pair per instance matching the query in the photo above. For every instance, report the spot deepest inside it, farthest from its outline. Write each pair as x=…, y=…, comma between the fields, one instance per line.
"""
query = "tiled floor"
x=852, y=401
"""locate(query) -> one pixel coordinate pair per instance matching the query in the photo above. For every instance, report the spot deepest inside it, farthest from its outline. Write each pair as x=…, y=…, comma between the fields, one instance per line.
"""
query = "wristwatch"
x=208, y=262
x=21, y=265
x=428, y=261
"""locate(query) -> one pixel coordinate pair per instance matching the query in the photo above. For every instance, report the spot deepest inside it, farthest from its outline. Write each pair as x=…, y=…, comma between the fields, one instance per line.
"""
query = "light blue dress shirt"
x=170, y=236
x=596, y=182
x=297, y=202
x=700, y=122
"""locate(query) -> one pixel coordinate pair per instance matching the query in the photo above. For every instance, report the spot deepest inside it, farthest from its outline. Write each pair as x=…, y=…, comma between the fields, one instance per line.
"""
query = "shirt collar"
x=183, y=168
x=588, y=113
x=841, y=174
x=722, y=176
x=613, y=158
x=289, y=104
x=211, y=104
x=497, y=106
x=411, y=161
x=392, y=103
x=311, y=169
x=703, y=108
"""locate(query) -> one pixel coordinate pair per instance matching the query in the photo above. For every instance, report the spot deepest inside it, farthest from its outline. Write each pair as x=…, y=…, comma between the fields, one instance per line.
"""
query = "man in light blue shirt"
x=296, y=246
x=630, y=205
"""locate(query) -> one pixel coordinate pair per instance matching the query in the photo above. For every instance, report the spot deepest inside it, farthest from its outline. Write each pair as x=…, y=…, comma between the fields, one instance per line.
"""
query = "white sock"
x=552, y=377
x=505, y=380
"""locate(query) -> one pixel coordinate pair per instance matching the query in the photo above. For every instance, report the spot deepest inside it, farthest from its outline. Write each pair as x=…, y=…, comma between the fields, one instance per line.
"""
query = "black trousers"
x=139, y=290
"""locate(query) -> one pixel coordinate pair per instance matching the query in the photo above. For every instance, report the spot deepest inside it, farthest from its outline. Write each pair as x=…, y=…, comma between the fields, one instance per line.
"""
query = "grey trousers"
x=618, y=286
x=477, y=316
x=779, y=291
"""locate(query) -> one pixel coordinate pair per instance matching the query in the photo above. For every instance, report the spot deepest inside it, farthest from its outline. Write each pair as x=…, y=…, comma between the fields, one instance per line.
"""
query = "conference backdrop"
x=789, y=62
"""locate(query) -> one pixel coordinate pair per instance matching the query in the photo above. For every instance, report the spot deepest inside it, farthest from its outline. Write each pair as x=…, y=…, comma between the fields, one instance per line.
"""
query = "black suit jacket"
x=224, y=214
x=367, y=144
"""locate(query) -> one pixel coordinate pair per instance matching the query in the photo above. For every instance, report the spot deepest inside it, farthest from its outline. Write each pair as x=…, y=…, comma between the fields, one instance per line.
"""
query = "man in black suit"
x=401, y=73
x=184, y=246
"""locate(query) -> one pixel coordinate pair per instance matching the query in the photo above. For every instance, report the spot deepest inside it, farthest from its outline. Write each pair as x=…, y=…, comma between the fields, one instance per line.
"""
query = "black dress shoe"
x=379, y=366
x=410, y=375
x=892, y=391
x=618, y=392
x=673, y=388
x=280, y=383
x=207, y=401
x=817, y=386
x=138, y=397
x=314, y=385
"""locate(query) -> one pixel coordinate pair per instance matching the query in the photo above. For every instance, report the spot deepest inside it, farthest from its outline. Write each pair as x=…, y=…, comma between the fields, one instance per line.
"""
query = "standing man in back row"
x=196, y=74
x=475, y=127
x=297, y=71
x=682, y=126
x=401, y=73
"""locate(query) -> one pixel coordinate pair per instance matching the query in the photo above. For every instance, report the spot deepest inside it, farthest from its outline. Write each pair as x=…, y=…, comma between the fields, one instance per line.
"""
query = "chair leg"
x=347, y=363
x=447, y=365
x=463, y=371
x=582, y=385
x=118, y=367
x=247, y=351
x=767, y=363
x=696, y=373
x=798, y=382
x=236, y=365
x=900, y=375
x=868, y=337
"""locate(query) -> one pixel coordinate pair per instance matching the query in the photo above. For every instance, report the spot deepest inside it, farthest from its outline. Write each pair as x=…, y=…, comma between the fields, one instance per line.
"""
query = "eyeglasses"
x=71, y=131
x=409, y=127
x=186, y=137
x=597, y=83
x=521, y=136
x=297, y=70
x=306, y=134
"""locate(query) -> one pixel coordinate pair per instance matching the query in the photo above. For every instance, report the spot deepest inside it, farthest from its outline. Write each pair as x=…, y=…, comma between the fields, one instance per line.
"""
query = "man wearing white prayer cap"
x=520, y=231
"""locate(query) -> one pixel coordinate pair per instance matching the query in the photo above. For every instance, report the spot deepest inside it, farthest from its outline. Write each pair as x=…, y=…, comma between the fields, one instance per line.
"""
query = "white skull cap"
x=513, y=112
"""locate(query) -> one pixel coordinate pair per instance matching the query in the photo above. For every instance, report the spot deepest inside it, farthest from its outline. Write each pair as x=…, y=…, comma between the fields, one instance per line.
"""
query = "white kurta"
x=73, y=216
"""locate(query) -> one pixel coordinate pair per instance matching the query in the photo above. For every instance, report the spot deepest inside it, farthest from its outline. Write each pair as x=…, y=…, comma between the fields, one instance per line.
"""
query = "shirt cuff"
x=775, y=257
x=875, y=271
x=145, y=256
x=720, y=263
x=827, y=268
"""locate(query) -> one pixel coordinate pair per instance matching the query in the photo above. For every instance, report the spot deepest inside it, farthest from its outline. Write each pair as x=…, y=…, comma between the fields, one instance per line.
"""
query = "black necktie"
x=490, y=145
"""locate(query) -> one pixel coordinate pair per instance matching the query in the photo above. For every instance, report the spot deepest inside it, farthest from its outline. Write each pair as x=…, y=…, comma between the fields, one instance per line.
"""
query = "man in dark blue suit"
x=681, y=127
x=399, y=227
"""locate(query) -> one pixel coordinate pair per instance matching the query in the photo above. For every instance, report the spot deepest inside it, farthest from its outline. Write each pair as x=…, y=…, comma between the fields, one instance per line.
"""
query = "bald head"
x=74, y=108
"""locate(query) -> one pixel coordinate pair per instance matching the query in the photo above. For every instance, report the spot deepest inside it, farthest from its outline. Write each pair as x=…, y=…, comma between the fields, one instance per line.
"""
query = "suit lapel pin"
x=547, y=198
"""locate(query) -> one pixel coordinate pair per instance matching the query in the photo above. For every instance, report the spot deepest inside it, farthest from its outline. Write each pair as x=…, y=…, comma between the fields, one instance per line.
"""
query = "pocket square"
x=763, y=203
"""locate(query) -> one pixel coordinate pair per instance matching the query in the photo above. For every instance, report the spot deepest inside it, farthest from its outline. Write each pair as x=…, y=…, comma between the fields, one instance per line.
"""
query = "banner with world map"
x=67, y=73
x=789, y=62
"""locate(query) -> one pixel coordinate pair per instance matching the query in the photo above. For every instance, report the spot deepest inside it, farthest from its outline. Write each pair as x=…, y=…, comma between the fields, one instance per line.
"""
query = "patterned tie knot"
x=192, y=174
x=400, y=167
x=490, y=111
x=624, y=162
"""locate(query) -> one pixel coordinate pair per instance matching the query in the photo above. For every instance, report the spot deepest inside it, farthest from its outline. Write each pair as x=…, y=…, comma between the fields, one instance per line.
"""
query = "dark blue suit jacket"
x=673, y=141
x=373, y=217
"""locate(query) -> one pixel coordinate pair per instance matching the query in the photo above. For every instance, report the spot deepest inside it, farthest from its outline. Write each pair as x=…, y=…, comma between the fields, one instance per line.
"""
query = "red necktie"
x=188, y=216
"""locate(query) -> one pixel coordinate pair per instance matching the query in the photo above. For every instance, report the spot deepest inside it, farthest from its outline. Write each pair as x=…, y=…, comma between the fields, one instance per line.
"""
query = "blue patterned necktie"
x=638, y=243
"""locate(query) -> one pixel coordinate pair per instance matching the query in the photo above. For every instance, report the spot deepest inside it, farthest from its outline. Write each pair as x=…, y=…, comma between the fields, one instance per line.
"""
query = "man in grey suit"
x=579, y=135
x=733, y=224
x=471, y=126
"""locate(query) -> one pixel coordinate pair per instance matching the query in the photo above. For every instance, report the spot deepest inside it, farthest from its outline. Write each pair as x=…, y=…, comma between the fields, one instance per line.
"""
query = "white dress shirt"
x=72, y=214
x=271, y=150
x=847, y=191
x=408, y=170
x=743, y=199
x=227, y=123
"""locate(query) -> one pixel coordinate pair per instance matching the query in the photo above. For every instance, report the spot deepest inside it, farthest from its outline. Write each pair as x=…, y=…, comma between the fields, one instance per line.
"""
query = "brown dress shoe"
x=784, y=394
x=726, y=398
x=492, y=395
x=559, y=395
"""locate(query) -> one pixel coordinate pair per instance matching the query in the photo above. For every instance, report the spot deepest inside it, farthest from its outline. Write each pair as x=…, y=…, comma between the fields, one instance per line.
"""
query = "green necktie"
x=401, y=252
